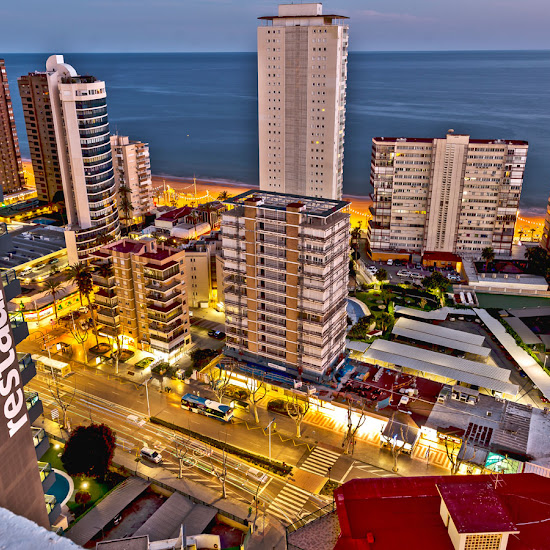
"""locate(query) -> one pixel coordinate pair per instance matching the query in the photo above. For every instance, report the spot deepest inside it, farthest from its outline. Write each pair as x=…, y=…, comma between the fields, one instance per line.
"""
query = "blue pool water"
x=60, y=488
x=43, y=221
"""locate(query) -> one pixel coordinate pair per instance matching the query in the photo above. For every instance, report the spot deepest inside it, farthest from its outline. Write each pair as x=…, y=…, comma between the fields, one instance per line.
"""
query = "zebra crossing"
x=288, y=504
x=319, y=461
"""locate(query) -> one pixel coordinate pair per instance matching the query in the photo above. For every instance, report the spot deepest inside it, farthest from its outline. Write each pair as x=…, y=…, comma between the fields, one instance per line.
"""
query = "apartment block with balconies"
x=452, y=194
x=144, y=297
x=285, y=281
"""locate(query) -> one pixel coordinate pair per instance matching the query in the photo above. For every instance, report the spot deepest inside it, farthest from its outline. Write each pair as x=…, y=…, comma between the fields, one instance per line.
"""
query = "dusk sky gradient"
x=229, y=25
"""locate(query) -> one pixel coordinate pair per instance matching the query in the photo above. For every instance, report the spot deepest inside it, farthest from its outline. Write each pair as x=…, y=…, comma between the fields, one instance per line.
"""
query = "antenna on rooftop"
x=497, y=480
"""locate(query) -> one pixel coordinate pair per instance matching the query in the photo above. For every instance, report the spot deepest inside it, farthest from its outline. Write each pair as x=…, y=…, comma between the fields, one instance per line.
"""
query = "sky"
x=229, y=25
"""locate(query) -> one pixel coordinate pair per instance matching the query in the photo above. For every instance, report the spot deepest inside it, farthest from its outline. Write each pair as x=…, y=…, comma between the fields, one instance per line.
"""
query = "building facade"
x=24, y=482
x=144, y=298
x=545, y=239
x=37, y=109
x=12, y=177
x=200, y=267
x=132, y=172
x=79, y=109
x=302, y=75
x=452, y=194
x=286, y=281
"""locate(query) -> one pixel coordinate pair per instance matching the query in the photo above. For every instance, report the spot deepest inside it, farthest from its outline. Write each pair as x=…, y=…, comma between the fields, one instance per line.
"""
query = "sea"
x=198, y=111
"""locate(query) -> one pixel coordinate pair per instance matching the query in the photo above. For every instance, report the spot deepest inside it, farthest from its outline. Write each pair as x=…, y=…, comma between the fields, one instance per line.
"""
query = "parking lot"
x=416, y=272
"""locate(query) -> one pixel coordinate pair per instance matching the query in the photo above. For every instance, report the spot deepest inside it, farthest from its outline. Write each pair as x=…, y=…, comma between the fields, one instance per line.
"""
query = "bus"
x=207, y=407
x=52, y=365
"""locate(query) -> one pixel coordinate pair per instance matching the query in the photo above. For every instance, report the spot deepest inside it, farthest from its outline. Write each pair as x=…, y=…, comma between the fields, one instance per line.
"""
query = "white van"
x=151, y=454
x=257, y=475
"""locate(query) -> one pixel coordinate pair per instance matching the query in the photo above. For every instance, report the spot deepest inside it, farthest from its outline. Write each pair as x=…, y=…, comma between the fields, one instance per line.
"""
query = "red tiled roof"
x=162, y=267
x=175, y=214
x=490, y=516
x=405, y=512
x=441, y=256
x=160, y=254
x=128, y=247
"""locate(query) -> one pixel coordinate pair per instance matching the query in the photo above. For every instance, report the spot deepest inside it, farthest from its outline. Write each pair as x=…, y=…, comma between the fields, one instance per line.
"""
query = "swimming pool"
x=62, y=488
x=43, y=221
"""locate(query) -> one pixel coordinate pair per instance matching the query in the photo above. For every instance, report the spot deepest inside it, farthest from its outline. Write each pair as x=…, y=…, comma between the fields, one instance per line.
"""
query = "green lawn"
x=97, y=489
x=504, y=301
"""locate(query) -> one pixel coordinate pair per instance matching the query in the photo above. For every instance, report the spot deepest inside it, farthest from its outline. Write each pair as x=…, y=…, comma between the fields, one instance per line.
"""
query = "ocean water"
x=199, y=111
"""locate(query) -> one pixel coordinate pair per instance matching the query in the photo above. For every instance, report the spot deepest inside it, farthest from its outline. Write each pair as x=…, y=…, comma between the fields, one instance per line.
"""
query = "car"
x=53, y=261
x=26, y=272
x=404, y=273
x=217, y=334
x=257, y=475
x=454, y=277
x=418, y=266
x=390, y=262
x=372, y=268
x=151, y=455
x=415, y=275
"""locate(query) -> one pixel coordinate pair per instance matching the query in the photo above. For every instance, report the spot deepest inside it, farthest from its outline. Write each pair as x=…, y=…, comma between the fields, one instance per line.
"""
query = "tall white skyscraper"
x=302, y=75
x=79, y=110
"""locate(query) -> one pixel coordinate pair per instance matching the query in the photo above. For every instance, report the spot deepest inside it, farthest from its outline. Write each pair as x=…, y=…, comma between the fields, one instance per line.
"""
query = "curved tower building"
x=79, y=109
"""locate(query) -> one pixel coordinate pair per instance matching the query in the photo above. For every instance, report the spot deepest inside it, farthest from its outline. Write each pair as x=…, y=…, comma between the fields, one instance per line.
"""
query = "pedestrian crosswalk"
x=288, y=504
x=372, y=470
x=319, y=461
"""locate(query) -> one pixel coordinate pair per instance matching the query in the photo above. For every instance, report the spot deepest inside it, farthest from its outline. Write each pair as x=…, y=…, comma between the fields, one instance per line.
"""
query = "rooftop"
x=175, y=214
x=314, y=206
x=404, y=512
x=127, y=247
x=430, y=140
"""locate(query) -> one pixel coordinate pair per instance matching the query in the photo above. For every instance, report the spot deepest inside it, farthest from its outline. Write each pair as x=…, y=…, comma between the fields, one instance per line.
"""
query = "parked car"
x=372, y=268
x=217, y=334
x=53, y=261
x=390, y=262
x=418, y=266
x=404, y=273
x=415, y=275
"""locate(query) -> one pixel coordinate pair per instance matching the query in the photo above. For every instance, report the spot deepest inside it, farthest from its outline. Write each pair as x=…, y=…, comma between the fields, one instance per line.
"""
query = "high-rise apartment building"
x=451, y=194
x=12, y=177
x=37, y=108
x=144, y=299
x=133, y=172
x=545, y=239
x=302, y=75
x=286, y=281
x=79, y=109
x=24, y=482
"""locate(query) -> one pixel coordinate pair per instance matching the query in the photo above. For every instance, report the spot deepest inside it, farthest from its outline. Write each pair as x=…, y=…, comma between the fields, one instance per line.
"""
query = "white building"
x=286, y=281
x=453, y=194
x=133, y=171
x=302, y=75
x=79, y=110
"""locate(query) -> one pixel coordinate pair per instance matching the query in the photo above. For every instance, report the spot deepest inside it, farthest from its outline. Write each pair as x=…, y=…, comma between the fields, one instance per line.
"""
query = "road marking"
x=319, y=461
x=288, y=503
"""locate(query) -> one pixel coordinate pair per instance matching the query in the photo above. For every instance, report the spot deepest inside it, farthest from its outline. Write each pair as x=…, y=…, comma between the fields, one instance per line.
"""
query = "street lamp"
x=269, y=429
x=146, y=382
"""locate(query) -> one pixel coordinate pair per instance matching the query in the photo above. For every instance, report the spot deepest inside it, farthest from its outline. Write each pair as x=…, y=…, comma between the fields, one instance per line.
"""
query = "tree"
x=182, y=455
x=125, y=204
x=538, y=259
x=384, y=320
x=224, y=195
x=355, y=235
x=62, y=398
x=436, y=283
x=219, y=379
x=220, y=471
x=488, y=254
x=81, y=276
x=532, y=231
x=521, y=232
x=53, y=287
x=456, y=452
x=396, y=447
x=78, y=333
x=257, y=390
x=82, y=497
x=355, y=419
x=89, y=451
x=297, y=410
x=381, y=275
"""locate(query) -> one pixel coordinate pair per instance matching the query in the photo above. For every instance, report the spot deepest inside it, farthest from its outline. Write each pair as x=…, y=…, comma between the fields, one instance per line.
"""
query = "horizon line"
x=254, y=51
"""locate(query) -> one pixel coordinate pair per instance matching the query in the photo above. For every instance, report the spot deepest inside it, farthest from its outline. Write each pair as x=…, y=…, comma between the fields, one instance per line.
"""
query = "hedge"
x=257, y=460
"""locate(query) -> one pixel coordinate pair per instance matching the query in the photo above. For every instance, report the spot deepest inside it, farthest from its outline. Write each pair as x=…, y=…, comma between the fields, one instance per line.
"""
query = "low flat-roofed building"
x=445, y=367
x=444, y=513
x=411, y=329
x=528, y=337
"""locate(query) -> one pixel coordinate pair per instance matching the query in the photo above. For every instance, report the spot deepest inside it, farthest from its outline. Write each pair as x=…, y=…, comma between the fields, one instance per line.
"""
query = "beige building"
x=285, y=281
x=453, y=194
x=37, y=108
x=145, y=298
x=12, y=177
x=79, y=113
x=302, y=75
x=132, y=170
x=545, y=239
x=200, y=267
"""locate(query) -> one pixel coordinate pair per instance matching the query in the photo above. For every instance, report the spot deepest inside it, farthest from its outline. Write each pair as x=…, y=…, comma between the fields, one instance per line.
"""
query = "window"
x=489, y=541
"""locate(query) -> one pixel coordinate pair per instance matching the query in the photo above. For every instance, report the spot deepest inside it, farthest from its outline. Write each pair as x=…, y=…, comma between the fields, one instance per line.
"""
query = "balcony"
x=34, y=405
x=109, y=320
x=165, y=318
x=19, y=327
x=27, y=368
x=53, y=507
x=45, y=470
x=12, y=287
x=159, y=274
x=164, y=308
x=159, y=287
x=41, y=442
x=162, y=297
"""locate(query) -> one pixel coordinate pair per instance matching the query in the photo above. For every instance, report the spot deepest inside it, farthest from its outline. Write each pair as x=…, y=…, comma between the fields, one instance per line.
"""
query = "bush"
x=359, y=330
x=234, y=392
x=256, y=460
x=329, y=487
x=82, y=497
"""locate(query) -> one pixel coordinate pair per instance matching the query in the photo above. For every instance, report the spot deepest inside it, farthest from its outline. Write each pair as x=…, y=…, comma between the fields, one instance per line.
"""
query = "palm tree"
x=532, y=231
x=81, y=276
x=488, y=254
x=224, y=195
x=355, y=235
x=521, y=233
x=53, y=287
x=125, y=204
